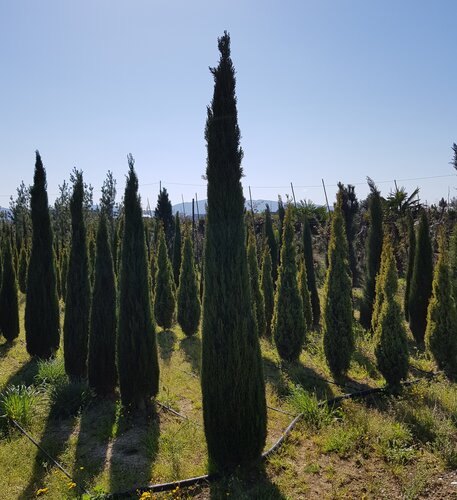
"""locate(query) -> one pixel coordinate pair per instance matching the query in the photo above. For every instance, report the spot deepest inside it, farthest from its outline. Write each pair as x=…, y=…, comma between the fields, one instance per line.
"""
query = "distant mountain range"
x=257, y=205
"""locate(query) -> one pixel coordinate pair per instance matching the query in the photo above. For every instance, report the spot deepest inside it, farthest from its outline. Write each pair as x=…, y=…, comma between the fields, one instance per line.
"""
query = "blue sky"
x=333, y=89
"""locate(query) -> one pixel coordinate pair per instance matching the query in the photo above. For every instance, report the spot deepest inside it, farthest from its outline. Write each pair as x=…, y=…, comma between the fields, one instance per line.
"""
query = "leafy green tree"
x=288, y=325
x=272, y=242
x=9, y=308
x=266, y=285
x=373, y=254
x=256, y=292
x=77, y=304
x=188, y=293
x=441, y=332
x=233, y=388
x=337, y=310
x=305, y=295
x=164, y=293
x=390, y=335
x=101, y=363
x=22, y=275
x=177, y=249
x=42, y=331
x=421, y=281
x=409, y=271
x=310, y=275
x=137, y=359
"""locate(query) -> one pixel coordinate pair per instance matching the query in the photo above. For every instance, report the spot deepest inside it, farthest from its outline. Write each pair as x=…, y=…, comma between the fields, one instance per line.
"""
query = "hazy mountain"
x=258, y=206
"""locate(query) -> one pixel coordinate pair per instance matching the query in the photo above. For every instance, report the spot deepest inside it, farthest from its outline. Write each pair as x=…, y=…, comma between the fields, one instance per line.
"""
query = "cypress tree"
x=101, y=363
x=42, y=331
x=421, y=282
x=58, y=278
x=233, y=389
x=272, y=243
x=281, y=215
x=91, y=261
x=288, y=325
x=188, y=293
x=63, y=275
x=390, y=335
x=164, y=214
x=350, y=207
x=177, y=249
x=256, y=292
x=164, y=293
x=441, y=332
x=77, y=304
x=373, y=255
x=380, y=279
x=305, y=295
x=310, y=275
x=137, y=360
x=409, y=271
x=9, y=308
x=453, y=259
x=267, y=287
x=337, y=313
x=22, y=275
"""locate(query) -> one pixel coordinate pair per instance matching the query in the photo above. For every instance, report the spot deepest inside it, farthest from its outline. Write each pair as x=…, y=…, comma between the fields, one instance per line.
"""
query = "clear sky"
x=333, y=89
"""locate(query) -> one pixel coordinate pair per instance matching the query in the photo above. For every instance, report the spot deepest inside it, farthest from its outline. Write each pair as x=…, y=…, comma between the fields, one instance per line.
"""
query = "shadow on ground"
x=166, y=340
x=192, y=346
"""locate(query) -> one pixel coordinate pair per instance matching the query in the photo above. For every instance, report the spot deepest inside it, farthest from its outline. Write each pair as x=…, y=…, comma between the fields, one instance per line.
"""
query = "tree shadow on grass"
x=366, y=363
x=95, y=433
x=25, y=375
x=166, y=340
x=133, y=452
x=5, y=348
x=192, y=347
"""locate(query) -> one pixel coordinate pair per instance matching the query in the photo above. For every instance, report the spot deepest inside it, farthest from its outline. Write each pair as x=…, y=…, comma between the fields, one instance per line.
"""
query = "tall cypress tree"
x=421, y=281
x=177, y=250
x=77, y=304
x=42, y=331
x=164, y=213
x=233, y=389
x=270, y=238
x=305, y=295
x=22, y=275
x=9, y=309
x=288, y=325
x=409, y=271
x=310, y=275
x=63, y=275
x=137, y=358
x=373, y=255
x=256, y=292
x=350, y=207
x=164, y=292
x=188, y=293
x=102, y=338
x=337, y=313
x=267, y=287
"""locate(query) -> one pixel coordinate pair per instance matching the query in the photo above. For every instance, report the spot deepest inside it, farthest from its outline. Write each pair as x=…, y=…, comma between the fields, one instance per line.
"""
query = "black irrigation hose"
x=208, y=478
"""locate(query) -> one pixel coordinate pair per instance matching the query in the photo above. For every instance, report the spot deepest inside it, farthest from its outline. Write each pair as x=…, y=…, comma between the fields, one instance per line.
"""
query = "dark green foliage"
x=270, y=238
x=42, y=331
x=421, y=281
x=380, y=279
x=102, y=338
x=337, y=313
x=309, y=262
x=164, y=213
x=77, y=304
x=266, y=285
x=288, y=325
x=188, y=297
x=390, y=335
x=305, y=295
x=453, y=260
x=256, y=292
x=350, y=207
x=409, y=271
x=9, y=309
x=441, y=332
x=281, y=215
x=233, y=390
x=164, y=292
x=58, y=278
x=91, y=261
x=177, y=249
x=373, y=256
x=22, y=275
x=63, y=275
x=137, y=360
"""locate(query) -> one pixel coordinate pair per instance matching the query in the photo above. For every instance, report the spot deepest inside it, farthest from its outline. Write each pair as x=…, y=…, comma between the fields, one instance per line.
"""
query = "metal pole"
x=293, y=194
x=326, y=199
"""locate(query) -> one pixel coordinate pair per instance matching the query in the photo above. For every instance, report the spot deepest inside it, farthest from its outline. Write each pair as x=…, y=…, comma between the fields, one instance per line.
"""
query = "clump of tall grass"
x=17, y=402
x=315, y=414
x=51, y=373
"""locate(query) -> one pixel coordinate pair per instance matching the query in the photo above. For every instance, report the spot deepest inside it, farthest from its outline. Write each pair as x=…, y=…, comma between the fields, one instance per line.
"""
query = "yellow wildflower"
x=71, y=485
x=145, y=495
x=41, y=491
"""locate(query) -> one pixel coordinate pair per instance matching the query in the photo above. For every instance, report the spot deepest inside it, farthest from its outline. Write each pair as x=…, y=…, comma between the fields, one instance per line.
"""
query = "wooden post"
x=293, y=194
x=325, y=192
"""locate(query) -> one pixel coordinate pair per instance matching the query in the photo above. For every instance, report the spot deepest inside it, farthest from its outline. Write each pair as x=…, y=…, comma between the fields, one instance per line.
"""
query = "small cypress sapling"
x=421, y=281
x=177, y=249
x=441, y=332
x=188, y=292
x=409, y=271
x=305, y=295
x=390, y=335
x=310, y=274
x=164, y=293
x=9, y=308
x=22, y=276
x=380, y=278
x=137, y=359
x=266, y=284
x=337, y=310
x=77, y=304
x=272, y=242
x=101, y=362
x=288, y=325
x=256, y=292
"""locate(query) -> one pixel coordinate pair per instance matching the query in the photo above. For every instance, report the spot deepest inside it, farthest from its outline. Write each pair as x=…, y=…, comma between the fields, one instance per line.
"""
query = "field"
x=383, y=446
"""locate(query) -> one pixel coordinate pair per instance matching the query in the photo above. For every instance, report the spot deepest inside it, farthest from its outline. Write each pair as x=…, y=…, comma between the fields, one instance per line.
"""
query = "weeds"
x=315, y=414
x=17, y=403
